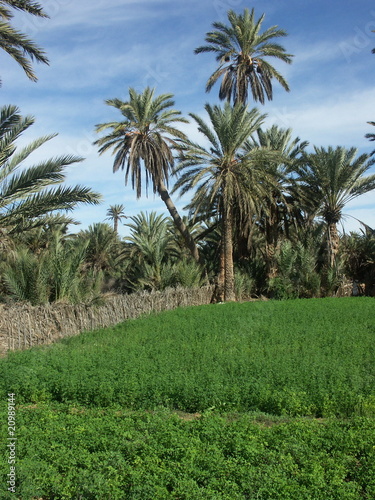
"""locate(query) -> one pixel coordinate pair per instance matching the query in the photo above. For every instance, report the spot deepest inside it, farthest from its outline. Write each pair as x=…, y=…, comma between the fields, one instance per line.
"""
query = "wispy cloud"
x=98, y=49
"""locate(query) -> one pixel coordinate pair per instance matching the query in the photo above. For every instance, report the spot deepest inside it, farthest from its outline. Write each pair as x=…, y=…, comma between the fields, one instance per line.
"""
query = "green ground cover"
x=263, y=400
x=303, y=357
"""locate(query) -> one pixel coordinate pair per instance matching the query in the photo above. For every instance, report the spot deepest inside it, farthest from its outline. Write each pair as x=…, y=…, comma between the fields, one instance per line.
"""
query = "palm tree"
x=223, y=173
x=116, y=213
x=281, y=204
x=58, y=273
x=333, y=177
x=151, y=247
x=145, y=138
x=16, y=44
x=103, y=246
x=27, y=199
x=359, y=255
x=242, y=52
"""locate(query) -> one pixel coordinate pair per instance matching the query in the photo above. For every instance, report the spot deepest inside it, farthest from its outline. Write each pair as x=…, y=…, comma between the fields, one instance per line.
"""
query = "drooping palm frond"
x=142, y=145
x=142, y=141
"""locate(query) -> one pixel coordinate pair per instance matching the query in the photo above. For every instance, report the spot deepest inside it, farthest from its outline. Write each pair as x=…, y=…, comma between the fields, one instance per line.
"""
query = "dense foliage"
x=101, y=415
x=284, y=358
x=67, y=452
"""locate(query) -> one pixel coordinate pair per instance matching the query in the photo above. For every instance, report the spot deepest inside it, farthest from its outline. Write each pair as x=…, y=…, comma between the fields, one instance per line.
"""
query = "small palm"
x=116, y=213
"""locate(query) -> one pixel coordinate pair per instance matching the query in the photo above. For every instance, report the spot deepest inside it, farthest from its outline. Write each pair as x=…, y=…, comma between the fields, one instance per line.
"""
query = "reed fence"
x=23, y=326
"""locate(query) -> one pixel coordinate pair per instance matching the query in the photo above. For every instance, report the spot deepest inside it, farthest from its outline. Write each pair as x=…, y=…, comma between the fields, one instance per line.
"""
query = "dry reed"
x=23, y=325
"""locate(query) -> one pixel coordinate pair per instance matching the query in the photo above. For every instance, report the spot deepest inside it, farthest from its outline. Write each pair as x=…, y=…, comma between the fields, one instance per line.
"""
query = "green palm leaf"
x=26, y=195
x=15, y=43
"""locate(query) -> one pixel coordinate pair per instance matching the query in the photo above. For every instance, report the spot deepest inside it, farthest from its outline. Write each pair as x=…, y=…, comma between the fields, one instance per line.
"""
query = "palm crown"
x=336, y=176
x=144, y=137
x=115, y=213
x=242, y=52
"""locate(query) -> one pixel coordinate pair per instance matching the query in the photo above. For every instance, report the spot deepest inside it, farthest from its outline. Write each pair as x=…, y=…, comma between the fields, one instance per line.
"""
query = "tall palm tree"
x=281, y=204
x=116, y=213
x=223, y=173
x=242, y=52
x=334, y=177
x=27, y=198
x=143, y=142
x=16, y=44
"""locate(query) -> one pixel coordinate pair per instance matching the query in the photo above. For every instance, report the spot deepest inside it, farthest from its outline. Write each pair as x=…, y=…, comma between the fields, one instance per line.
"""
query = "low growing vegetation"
x=270, y=400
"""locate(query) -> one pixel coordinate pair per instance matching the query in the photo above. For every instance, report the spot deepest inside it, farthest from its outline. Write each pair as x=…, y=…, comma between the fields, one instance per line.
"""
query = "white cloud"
x=98, y=49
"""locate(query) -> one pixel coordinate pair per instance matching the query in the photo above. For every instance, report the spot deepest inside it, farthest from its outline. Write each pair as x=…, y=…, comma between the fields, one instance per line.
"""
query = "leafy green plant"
x=299, y=357
x=70, y=452
x=56, y=274
x=244, y=285
x=297, y=276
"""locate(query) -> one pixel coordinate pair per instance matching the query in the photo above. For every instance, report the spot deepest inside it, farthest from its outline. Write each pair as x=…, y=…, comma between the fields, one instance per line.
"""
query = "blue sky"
x=97, y=50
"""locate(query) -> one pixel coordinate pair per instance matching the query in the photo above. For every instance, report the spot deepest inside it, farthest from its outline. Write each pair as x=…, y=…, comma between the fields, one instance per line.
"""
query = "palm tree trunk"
x=333, y=243
x=229, y=294
x=179, y=223
x=115, y=224
x=271, y=232
x=218, y=295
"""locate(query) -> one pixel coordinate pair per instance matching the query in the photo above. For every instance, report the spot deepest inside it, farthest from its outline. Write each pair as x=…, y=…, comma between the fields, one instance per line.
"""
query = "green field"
x=261, y=400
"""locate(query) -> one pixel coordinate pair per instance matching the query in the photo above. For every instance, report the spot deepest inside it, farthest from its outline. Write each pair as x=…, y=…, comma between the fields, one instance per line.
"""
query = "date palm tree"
x=142, y=144
x=103, y=246
x=333, y=177
x=16, y=44
x=27, y=196
x=242, y=52
x=281, y=204
x=223, y=173
x=116, y=213
x=151, y=247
